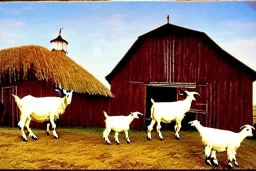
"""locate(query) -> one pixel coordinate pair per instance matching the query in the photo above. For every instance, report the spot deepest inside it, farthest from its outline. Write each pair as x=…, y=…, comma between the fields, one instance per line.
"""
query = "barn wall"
x=129, y=98
x=190, y=58
x=84, y=110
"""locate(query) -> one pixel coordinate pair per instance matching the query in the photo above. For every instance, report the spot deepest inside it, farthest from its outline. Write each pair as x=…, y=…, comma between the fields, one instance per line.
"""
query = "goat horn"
x=57, y=90
x=195, y=93
x=138, y=113
x=190, y=122
x=247, y=126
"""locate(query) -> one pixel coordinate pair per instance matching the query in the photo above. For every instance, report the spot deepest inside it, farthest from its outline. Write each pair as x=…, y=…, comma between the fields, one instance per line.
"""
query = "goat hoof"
x=47, y=133
x=161, y=139
x=34, y=138
x=56, y=137
x=128, y=142
x=230, y=167
x=149, y=138
x=208, y=162
x=216, y=165
x=177, y=138
x=108, y=143
x=117, y=143
x=24, y=139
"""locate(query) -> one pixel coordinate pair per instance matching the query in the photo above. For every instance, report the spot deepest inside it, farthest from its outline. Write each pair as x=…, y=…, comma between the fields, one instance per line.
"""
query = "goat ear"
x=64, y=91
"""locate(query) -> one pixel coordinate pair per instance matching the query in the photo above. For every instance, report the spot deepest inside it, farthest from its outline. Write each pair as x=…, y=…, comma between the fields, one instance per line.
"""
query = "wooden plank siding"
x=124, y=103
x=84, y=110
x=185, y=57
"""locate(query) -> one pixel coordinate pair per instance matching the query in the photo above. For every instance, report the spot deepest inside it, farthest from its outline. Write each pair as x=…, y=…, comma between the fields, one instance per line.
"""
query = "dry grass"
x=79, y=148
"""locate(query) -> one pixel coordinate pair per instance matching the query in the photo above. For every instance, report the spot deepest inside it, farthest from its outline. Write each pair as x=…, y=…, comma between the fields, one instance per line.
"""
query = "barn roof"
x=164, y=30
x=49, y=65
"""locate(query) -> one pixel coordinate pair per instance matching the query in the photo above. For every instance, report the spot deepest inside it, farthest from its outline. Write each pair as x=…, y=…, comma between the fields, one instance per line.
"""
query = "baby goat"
x=118, y=124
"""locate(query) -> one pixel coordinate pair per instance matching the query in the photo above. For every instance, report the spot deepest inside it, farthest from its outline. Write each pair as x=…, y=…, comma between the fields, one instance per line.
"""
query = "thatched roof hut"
x=47, y=65
x=35, y=70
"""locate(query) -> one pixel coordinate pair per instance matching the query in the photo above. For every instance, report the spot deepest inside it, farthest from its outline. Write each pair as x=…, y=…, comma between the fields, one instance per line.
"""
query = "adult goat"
x=170, y=111
x=41, y=109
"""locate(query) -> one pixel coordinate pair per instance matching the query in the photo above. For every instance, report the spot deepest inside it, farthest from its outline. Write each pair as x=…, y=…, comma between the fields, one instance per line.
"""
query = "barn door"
x=204, y=104
x=10, y=114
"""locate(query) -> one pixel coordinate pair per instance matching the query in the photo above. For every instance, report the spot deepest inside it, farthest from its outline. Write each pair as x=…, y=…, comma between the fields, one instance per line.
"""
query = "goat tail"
x=105, y=114
x=152, y=110
x=152, y=101
x=17, y=100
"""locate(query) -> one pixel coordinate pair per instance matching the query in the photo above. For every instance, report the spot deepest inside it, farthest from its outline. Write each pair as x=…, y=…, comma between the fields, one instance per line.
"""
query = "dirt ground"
x=81, y=149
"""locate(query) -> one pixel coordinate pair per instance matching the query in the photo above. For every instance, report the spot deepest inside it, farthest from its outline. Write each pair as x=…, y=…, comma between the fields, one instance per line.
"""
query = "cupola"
x=59, y=43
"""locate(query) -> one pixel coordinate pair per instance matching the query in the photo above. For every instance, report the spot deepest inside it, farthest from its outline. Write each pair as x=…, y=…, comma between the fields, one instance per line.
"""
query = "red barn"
x=169, y=59
x=37, y=71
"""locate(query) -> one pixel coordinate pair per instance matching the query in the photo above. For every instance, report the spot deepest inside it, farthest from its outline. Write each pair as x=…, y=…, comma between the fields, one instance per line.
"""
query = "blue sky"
x=100, y=33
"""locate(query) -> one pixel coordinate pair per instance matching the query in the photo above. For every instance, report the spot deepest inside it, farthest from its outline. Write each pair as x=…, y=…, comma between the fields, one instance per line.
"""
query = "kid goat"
x=118, y=124
x=170, y=111
x=41, y=109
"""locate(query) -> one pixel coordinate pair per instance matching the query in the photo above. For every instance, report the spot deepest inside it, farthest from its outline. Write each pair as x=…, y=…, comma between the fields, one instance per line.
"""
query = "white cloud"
x=8, y=24
x=12, y=32
x=113, y=20
x=237, y=28
x=242, y=49
x=92, y=35
x=15, y=12
x=19, y=24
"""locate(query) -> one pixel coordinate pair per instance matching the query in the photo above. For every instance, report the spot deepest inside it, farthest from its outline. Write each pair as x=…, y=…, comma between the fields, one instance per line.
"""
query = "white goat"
x=169, y=111
x=41, y=109
x=218, y=140
x=118, y=124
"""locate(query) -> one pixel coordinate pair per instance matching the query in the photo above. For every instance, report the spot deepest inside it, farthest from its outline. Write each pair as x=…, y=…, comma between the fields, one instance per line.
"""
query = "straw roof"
x=49, y=65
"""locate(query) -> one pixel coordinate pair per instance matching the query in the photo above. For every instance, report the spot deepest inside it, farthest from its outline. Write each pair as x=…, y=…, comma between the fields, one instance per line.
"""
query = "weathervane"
x=60, y=31
x=167, y=18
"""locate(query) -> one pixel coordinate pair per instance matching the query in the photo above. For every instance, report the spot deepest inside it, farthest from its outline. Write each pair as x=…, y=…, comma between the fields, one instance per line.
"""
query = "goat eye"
x=247, y=129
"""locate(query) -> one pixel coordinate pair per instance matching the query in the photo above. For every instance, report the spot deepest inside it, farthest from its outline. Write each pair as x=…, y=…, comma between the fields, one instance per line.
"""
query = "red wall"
x=84, y=110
